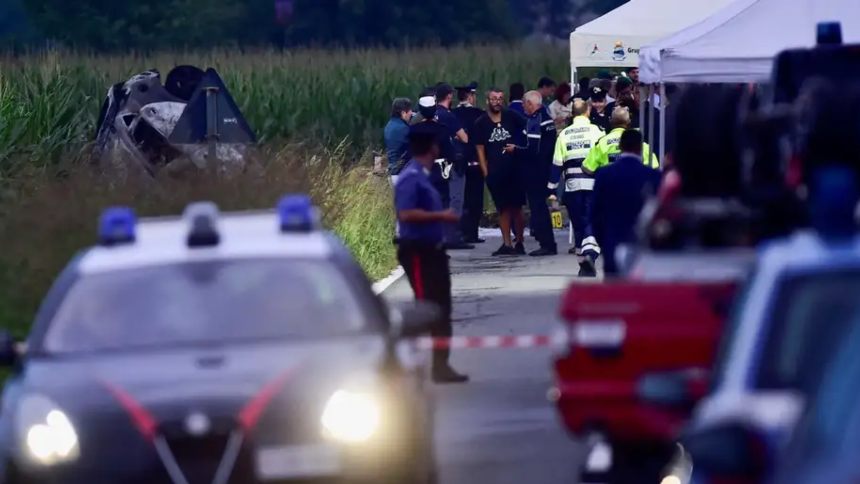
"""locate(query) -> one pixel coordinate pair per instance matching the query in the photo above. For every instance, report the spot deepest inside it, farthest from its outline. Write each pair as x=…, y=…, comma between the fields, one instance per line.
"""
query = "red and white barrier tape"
x=489, y=342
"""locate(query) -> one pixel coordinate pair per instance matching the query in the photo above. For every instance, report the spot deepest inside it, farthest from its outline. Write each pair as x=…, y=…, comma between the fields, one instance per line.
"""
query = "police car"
x=799, y=303
x=220, y=349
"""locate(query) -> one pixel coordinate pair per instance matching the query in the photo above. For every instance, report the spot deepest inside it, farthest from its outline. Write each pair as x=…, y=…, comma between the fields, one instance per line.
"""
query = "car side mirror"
x=414, y=319
x=9, y=350
x=730, y=452
x=677, y=389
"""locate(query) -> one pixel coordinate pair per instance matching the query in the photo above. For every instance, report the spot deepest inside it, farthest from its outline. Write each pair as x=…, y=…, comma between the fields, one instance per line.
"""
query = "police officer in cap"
x=421, y=220
x=599, y=116
x=473, y=206
x=441, y=169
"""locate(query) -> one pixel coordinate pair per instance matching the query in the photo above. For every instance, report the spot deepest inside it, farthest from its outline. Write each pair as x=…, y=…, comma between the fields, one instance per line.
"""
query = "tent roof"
x=634, y=24
x=740, y=41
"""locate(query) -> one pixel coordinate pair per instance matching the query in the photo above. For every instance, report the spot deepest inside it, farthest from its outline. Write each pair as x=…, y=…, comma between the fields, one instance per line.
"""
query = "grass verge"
x=47, y=217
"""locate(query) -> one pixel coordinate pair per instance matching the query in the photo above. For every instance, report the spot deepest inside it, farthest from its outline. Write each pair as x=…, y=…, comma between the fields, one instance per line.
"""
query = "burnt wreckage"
x=189, y=123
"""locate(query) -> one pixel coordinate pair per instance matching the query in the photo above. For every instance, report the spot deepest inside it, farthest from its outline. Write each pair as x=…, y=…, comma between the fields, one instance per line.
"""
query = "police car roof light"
x=829, y=33
x=117, y=226
x=297, y=214
x=203, y=224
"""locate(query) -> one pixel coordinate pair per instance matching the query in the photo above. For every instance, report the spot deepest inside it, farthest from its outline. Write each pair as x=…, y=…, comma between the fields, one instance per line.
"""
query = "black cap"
x=597, y=94
x=471, y=87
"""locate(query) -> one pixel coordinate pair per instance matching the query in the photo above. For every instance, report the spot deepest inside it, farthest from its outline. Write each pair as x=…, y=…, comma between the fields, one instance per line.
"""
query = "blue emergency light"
x=202, y=219
x=829, y=33
x=297, y=214
x=117, y=226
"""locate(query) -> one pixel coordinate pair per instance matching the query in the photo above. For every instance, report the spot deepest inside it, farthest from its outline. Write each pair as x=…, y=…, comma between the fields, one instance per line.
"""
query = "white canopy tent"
x=739, y=42
x=614, y=40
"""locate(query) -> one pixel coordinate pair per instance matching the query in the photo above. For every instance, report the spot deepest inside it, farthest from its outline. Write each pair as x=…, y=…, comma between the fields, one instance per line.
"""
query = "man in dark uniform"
x=457, y=173
x=620, y=191
x=473, y=206
x=441, y=169
x=536, y=162
x=421, y=221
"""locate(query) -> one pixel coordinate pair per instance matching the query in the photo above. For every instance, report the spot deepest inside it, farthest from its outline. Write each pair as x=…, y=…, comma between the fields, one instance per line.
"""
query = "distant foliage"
x=49, y=107
x=154, y=24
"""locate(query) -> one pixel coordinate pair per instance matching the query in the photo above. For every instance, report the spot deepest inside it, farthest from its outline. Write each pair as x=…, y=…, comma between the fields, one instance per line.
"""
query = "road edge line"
x=381, y=285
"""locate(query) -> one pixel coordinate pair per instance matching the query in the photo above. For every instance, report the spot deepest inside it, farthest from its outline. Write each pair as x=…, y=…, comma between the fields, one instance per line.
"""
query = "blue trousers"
x=541, y=222
x=578, y=205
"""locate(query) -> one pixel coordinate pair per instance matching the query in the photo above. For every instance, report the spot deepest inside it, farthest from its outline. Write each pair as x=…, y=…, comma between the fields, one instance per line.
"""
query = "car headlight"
x=351, y=417
x=46, y=433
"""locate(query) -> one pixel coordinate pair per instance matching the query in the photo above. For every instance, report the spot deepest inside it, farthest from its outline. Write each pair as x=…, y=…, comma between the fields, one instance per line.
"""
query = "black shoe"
x=586, y=268
x=543, y=251
x=520, y=249
x=459, y=246
x=505, y=250
x=475, y=241
x=572, y=251
x=448, y=375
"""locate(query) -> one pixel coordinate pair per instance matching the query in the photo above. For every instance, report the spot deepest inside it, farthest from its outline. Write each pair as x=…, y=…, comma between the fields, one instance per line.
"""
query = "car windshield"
x=811, y=315
x=833, y=407
x=205, y=302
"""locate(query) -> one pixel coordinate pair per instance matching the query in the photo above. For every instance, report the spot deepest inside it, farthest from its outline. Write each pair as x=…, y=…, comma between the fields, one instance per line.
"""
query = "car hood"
x=221, y=382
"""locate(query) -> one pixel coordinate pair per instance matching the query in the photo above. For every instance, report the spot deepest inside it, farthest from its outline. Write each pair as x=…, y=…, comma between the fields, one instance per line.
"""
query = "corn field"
x=49, y=102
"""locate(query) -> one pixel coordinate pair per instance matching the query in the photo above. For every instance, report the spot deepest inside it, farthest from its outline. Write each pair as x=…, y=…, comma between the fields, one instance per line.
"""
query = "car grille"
x=199, y=457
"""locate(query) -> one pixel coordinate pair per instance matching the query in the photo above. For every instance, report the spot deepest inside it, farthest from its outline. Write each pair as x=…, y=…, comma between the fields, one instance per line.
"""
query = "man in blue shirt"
x=397, y=136
x=620, y=191
x=421, y=220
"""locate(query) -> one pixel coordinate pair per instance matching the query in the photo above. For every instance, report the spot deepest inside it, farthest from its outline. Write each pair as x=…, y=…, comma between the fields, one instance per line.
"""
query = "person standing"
x=599, y=116
x=573, y=146
x=396, y=136
x=457, y=173
x=515, y=98
x=620, y=192
x=498, y=134
x=537, y=160
x=625, y=98
x=584, y=91
x=420, y=249
x=607, y=149
x=546, y=87
x=561, y=110
x=441, y=169
x=473, y=200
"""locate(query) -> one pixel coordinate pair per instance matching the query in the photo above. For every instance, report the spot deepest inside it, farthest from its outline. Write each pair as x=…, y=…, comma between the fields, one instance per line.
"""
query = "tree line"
x=157, y=24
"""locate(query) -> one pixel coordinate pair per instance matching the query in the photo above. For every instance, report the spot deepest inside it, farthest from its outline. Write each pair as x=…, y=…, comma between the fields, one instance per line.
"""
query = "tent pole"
x=643, y=94
x=662, y=122
x=573, y=79
x=650, y=117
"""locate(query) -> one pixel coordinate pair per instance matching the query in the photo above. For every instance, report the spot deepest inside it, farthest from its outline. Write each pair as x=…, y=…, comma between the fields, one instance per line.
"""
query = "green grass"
x=44, y=222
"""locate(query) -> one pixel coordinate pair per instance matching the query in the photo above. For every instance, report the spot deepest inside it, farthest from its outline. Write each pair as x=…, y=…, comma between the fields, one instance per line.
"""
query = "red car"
x=630, y=337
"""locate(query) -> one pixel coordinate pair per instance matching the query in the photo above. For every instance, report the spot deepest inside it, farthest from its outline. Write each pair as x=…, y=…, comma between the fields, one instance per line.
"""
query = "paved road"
x=500, y=427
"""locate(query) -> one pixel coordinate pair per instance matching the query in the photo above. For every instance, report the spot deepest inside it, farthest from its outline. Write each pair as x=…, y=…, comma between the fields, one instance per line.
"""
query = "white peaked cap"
x=427, y=102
